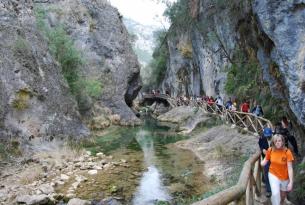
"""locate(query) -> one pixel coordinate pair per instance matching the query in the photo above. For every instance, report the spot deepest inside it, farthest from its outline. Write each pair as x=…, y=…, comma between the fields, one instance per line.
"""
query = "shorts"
x=281, y=183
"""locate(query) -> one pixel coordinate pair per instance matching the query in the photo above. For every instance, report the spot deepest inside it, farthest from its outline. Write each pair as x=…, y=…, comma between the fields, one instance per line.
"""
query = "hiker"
x=290, y=138
x=233, y=107
x=210, y=103
x=280, y=170
x=257, y=110
x=264, y=142
x=229, y=104
x=282, y=128
x=219, y=103
x=245, y=107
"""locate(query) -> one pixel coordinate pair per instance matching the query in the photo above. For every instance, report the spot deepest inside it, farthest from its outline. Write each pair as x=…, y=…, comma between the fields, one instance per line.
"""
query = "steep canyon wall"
x=270, y=31
x=35, y=97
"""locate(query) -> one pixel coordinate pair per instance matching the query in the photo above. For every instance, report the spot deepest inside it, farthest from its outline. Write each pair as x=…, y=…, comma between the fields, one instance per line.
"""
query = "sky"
x=146, y=12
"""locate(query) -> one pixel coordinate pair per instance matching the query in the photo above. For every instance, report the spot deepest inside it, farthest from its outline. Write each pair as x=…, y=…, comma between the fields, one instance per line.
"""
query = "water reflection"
x=151, y=188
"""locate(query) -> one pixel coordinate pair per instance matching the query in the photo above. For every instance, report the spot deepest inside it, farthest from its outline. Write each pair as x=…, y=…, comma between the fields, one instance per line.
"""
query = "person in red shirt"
x=245, y=107
x=280, y=171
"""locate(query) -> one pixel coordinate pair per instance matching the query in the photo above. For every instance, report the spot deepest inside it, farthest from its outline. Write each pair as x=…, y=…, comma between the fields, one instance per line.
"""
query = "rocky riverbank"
x=186, y=118
x=222, y=149
x=53, y=177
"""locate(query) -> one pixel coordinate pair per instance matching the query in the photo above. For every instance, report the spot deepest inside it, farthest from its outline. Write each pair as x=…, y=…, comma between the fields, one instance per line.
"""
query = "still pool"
x=156, y=172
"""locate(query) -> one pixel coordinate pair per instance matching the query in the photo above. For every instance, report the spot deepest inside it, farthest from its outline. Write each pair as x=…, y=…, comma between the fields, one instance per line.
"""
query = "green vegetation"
x=299, y=192
x=21, y=46
x=10, y=148
x=186, y=50
x=62, y=48
x=159, y=62
x=245, y=81
x=179, y=15
x=21, y=101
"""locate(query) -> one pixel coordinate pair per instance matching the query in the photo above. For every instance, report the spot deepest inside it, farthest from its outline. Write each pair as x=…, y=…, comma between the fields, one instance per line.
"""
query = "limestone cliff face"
x=273, y=30
x=209, y=54
x=98, y=32
x=35, y=99
x=34, y=96
x=283, y=22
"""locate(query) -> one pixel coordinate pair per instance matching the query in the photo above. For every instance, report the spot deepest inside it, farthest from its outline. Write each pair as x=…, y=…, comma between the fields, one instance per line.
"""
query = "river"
x=156, y=171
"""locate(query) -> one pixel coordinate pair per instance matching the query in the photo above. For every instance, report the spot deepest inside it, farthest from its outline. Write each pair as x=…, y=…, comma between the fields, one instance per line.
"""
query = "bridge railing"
x=245, y=120
x=244, y=192
x=249, y=183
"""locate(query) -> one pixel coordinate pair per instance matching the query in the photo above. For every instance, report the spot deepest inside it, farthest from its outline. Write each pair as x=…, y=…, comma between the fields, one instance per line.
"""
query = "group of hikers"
x=277, y=160
x=230, y=104
x=273, y=143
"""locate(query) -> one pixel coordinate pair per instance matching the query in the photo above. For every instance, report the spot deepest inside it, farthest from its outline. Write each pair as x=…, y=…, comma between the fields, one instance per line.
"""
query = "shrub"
x=62, y=48
x=21, y=46
x=179, y=15
x=299, y=192
x=159, y=62
x=21, y=101
x=244, y=79
x=186, y=50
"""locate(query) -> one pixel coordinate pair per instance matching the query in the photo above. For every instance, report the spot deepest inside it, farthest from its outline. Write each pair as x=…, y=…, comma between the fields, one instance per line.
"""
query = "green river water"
x=156, y=171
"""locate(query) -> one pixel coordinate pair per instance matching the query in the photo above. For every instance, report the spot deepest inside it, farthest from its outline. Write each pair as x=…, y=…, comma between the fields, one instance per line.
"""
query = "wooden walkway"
x=247, y=121
x=249, y=189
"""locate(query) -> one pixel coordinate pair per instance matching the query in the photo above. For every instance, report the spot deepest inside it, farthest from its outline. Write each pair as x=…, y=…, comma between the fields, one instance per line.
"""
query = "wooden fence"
x=244, y=120
x=249, y=183
x=244, y=192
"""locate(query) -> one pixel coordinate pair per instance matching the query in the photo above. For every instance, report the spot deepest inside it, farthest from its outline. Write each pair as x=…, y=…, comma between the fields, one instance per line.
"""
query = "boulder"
x=77, y=201
x=33, y=199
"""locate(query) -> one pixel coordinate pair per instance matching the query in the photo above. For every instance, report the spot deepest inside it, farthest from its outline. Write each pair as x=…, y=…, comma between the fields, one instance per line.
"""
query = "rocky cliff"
x=268, y=31
x=35, y=97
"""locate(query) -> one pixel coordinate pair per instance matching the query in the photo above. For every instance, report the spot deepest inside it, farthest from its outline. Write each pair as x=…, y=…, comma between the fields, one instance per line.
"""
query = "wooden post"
x=250, y=200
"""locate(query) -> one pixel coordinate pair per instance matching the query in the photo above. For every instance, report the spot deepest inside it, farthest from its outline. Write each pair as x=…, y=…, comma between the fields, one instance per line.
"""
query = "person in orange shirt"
x=280, y=171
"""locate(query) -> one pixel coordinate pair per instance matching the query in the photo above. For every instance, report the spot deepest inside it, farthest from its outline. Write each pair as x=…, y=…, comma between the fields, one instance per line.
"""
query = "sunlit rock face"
x=34, y=97
x=274, y=32
x=283, y=22
x=99, y=33
x=202, y=70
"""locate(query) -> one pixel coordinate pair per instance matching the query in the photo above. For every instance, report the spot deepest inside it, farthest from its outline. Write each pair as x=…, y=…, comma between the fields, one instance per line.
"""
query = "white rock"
x=46, y=189
x=77, y=201
x=75, y=185
x=97, y=167
x=32, y=200
x=100, y=155
x=71, y=195
x=60, y=182
x=80, y=178
x=64, y=177
x=92, y=172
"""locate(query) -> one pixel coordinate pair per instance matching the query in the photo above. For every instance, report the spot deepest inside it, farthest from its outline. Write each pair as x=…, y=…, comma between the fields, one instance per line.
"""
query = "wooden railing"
x=244, y=192
x=249, y=183
x=244, y=120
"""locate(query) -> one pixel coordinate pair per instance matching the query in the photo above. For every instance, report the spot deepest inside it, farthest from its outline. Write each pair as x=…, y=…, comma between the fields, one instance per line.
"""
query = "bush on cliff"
x=159, y=62
x=62, y=48
x=244, y=80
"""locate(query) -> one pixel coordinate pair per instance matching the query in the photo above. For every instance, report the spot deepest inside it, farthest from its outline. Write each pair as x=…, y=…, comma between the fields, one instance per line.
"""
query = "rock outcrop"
x=271, y=33
x=35, y=99
x=34, y=96
x=283, y=23
x=98, y=32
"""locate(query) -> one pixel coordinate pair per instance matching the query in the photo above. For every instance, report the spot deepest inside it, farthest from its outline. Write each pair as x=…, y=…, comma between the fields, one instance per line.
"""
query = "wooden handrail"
x=245, y=120
x=249, y=183
x=237, y=192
